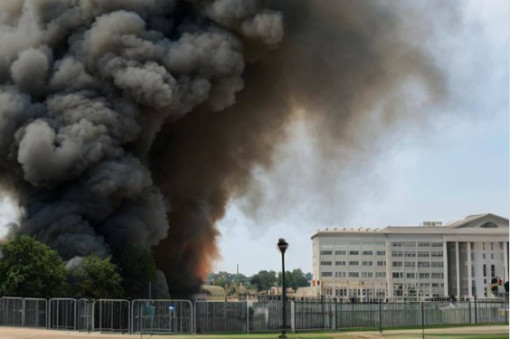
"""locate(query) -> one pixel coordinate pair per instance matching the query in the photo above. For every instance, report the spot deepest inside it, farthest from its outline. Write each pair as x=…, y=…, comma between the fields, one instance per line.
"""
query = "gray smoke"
x=138, y=120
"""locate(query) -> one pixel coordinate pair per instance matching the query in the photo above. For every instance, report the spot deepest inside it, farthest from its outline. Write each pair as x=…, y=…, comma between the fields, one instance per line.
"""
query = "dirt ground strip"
x=25, y=333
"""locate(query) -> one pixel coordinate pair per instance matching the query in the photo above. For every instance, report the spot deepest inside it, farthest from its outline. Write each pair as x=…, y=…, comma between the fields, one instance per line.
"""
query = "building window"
x=492, y=246
x=340, y=274
x=436, y=254
x=367, y=274
x=424, y=264
x=340, y=263
x=396, y=264
x=410, y=254
x=493, y=271
x=437, y=275
x=353, y=252
x=326, y=252
x=437, y=244
x=396, y=254
x=424, y=275
x=381, y=252
x=381, y=263
x=353, y=274
x=380, y=274
x=326, y=263
x=484, y=268
x=410, y=264
x=367, y=252
x=396, y=244
x=483, y=256
x=410, y=275
x=353, y=263
x=423, y=254
x=367, y=263
x=492, y=256
x=339, y=252
x=398, y=275
x=472, y=256
x=436, y=264
x=327, y=274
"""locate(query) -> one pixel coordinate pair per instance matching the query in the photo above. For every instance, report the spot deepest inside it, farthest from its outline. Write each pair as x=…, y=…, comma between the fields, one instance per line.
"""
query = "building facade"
x=413, y=262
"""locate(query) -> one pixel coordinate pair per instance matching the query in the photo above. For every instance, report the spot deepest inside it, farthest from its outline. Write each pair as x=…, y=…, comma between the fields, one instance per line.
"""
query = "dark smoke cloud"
x=138, y=120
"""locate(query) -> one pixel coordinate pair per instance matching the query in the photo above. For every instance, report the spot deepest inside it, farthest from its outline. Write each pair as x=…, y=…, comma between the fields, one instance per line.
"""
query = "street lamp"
x=282, y=245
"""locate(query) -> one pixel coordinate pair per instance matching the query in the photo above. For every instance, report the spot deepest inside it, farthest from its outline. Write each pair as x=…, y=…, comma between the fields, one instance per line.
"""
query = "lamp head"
x=282, y=245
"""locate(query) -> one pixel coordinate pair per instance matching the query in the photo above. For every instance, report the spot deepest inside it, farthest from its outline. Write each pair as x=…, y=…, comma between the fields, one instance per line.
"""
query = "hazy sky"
x=455, y=165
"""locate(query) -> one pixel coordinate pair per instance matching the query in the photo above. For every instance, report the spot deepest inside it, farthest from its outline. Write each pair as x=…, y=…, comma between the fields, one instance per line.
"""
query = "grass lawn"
x=448, y=336
x=374, y=335
x=354, y=335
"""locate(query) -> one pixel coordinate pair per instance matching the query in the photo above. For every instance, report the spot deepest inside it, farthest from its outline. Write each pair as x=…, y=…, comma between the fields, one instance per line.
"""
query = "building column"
x=457, y=268
x=445, y=269
x=505, y=256
x=470, y=285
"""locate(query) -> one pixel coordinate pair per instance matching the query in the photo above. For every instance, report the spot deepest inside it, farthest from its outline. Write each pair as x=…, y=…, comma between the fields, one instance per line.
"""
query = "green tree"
x=95, y=278
x=137, y=268
x=29, y=268
x=263, y=280
x=293, y=279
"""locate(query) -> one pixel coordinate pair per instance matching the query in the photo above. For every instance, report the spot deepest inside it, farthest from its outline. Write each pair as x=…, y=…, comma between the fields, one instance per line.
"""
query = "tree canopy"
x=29, y=268
x=294, y=279
x=137, y=268
x=95, y=278
x=264, y=280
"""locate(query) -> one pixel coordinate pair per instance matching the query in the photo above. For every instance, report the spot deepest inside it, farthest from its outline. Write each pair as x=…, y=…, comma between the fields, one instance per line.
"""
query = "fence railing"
x=182, y=316
x=161, y=316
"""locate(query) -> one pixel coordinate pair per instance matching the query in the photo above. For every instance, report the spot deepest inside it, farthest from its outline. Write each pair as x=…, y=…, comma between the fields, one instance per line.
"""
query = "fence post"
x=23, y=308
x=469, y=304
x=322, y=312
x=422, y=321
x=380, y=317
x=335, y=317
x=247, y=316
x=292, y=317
x=476, y=311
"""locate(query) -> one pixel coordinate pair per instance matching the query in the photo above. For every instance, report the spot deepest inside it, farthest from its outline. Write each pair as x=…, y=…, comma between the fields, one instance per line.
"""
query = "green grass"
x=355, y=336
x=449, y=336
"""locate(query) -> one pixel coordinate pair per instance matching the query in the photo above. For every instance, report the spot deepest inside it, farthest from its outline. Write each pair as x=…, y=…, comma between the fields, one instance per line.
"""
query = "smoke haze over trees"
x=137, y=121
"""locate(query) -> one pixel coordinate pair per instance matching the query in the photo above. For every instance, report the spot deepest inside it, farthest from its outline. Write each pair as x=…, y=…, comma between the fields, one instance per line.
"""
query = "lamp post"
x=282, y=245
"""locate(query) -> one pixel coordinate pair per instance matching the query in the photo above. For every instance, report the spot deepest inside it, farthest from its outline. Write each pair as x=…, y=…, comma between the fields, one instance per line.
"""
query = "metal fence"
x=84, y=314
x=62, y=314
x=34, y=312
x=111, y=315
x=161, y=316
x=181, y=316
x=217, y=316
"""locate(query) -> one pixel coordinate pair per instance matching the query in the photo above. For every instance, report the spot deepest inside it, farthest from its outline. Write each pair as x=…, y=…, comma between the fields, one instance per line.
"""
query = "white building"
x=412, y=263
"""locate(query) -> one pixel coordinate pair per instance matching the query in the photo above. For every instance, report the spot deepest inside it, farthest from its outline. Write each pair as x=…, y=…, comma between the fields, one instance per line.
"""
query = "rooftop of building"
x=473, y=224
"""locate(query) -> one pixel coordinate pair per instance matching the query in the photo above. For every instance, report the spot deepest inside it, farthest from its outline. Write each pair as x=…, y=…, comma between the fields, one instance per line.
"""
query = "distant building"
x=412, y=263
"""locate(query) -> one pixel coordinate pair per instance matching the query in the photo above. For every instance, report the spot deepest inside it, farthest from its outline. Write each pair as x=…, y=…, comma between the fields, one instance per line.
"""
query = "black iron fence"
x=183, y=316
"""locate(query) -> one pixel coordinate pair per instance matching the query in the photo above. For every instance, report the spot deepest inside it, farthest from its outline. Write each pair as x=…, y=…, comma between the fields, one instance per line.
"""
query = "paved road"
x=26, y=333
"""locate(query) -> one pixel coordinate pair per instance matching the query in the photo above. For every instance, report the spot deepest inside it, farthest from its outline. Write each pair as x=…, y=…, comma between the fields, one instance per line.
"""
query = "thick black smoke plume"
x=138, y=120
